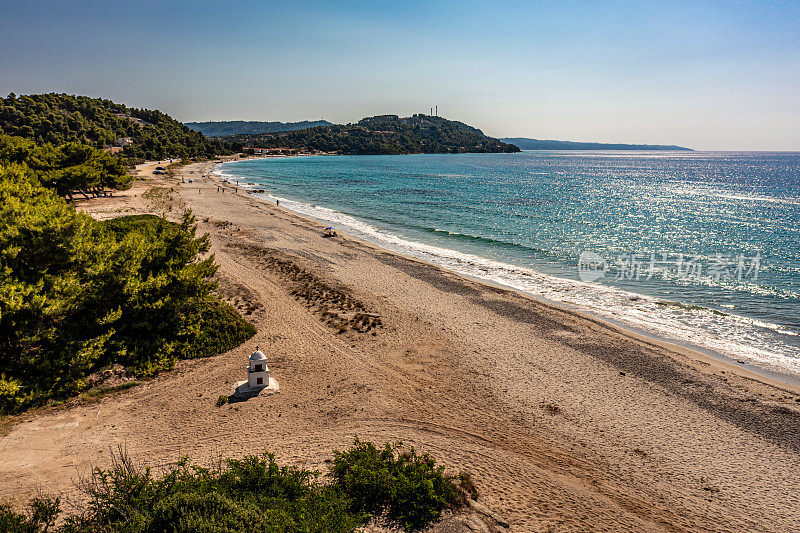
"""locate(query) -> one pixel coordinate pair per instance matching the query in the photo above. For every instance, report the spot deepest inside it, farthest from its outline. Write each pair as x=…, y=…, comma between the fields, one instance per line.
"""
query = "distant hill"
x=242, y=127
x=537, y=144
x=384, y=134
x=139, y=133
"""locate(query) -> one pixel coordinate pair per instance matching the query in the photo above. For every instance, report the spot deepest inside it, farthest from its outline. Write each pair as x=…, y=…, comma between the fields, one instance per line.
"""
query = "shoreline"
x=772, y=373
x=753, y=372
x=564, y=422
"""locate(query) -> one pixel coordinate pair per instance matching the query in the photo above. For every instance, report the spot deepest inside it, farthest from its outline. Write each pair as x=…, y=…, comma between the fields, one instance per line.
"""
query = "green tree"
x=77, y=294
x=66, y=168
x=50, y=260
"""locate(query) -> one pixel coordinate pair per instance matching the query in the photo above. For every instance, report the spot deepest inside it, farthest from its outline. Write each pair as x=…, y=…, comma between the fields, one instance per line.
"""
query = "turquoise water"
x=696, y=247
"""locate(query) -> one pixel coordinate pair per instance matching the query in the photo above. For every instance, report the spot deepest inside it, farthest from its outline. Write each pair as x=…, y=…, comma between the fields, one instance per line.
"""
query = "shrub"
x=77, y=294
x=363, y=473
x=192, y=511
x=408, y=488
x=14, y=522
x=42, y=514
x=251, y=494
x=467, y=486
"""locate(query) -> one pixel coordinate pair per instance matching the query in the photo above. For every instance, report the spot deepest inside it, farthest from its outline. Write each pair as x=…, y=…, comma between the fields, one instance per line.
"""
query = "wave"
x=482, y=240
x=762, y=344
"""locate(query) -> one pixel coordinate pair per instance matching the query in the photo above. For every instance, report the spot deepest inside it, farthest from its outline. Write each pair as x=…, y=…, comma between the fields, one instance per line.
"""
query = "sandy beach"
x=565, y=423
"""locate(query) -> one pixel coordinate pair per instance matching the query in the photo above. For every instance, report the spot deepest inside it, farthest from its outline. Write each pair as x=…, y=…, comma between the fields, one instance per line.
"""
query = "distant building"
x=271, y=151
x=123, y=141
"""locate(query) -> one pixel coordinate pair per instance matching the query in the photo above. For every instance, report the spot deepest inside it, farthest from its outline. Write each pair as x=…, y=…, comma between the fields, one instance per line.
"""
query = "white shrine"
x=258, y=379
x=257, y=370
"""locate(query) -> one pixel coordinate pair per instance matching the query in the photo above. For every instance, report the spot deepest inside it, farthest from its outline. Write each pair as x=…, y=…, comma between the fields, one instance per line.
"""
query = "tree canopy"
x=66, y=168
x=77, y=294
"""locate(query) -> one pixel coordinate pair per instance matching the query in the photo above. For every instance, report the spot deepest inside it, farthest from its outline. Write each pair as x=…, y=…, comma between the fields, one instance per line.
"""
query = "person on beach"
x=277, y=203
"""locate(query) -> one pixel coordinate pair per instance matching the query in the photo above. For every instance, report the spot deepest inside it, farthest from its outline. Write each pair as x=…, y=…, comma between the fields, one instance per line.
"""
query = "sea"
x=701, y=249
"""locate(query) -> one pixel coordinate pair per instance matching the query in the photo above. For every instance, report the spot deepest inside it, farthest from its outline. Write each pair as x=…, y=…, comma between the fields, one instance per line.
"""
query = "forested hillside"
x=385, y=134
x=242, y=127
x=141, y=133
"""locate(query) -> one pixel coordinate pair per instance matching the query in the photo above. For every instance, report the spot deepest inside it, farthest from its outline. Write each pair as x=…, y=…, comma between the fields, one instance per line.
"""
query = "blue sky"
x=710, y=75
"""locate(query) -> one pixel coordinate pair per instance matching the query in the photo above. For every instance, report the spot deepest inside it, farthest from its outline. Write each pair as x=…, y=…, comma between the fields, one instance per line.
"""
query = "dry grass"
x=161, y=199
x=237, y=295
x=6, y=423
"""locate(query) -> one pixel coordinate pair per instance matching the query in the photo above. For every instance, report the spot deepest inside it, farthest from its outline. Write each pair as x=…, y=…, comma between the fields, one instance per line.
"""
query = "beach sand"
x=564, y=422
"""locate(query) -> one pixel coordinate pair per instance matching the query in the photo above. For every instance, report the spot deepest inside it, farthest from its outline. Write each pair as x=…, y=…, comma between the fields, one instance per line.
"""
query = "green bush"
x=251, y=494
x=42, y=514
x=364, y=474
x=190, y=512
x=409, y=488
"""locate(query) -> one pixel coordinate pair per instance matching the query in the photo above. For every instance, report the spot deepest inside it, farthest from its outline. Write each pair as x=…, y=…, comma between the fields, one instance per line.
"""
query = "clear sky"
x=709, y=75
